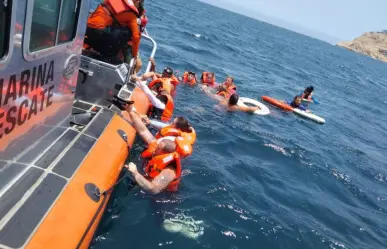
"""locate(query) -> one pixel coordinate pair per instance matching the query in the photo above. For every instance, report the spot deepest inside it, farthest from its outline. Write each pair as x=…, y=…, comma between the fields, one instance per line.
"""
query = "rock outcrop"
x=373, y=44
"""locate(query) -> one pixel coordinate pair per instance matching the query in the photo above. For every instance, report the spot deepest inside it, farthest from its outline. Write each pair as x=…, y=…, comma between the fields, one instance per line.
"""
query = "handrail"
x=147, y=36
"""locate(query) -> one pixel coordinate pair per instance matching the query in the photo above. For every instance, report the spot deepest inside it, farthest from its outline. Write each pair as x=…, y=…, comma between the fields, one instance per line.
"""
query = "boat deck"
x=40, y=173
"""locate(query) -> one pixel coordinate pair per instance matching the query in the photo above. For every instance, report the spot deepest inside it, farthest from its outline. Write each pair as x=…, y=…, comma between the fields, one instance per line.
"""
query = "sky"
x=329, y=20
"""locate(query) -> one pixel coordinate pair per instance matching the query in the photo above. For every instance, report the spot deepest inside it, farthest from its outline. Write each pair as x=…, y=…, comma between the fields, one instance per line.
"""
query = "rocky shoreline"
x=373, y=44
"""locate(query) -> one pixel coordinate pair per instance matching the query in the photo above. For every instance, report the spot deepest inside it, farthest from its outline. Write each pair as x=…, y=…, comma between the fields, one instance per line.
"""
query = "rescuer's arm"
x=153, y=99
x=136, y=35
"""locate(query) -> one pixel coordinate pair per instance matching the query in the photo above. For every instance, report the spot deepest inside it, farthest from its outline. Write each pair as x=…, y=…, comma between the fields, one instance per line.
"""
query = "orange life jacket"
x=167, y=84
x=174, y=81
x=148, y=152
x=230, y=90
x=168, y=131
x=224, y=94
x=205, y=79
x=160, y=162
x=232, y=87
x=166, y=113
x=120, y=6
x=183, y=147
x=190, y=82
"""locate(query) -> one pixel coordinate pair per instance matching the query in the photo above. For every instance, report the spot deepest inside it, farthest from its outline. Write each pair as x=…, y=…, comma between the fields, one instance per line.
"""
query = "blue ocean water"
x=274, y=181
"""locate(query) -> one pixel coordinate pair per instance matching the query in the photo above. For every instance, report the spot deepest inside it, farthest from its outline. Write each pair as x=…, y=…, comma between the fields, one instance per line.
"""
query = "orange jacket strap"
x=120, y=6
x=169, y=107
x=183, y=147
x=148, y=152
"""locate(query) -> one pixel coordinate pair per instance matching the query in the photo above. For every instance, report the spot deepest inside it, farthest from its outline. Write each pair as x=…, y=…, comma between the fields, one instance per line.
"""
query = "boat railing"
x=93, y=87
x=154, y=48
x=126, y=90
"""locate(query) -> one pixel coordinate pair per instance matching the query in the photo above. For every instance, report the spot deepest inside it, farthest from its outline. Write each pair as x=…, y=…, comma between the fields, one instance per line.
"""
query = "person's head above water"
x=139, y=4
x=165, y=146
x=308, y=90
x=297, y=101
x=167, y=72
x=233, y=100
x=229, y=81
x=210, y=75
x=182, y=124
x=191, y=75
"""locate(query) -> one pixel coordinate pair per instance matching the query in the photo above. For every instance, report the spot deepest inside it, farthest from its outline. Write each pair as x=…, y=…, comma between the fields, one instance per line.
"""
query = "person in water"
x=297, y=103
x=162, y=104
x=189, y=78
x=227, y=88
x=165, y=80
x=163, y=171
x=112, y=25
x=308, y=95
x=232, y=105
x=208, y=78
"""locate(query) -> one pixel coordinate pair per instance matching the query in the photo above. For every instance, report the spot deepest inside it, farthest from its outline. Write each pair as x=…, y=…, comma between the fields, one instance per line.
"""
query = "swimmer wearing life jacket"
x=163, y=171
x=307, y=95
x=166, y=80
x=227, y=88
x=179, y=128
x=297, y=103
x=180, y=132
x=189, y=78
x=208, y=78
x=232, y=105
x=162, y=104
x=111, y=26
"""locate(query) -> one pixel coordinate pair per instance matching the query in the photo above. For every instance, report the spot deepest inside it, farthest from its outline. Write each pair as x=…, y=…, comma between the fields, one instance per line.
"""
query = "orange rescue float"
x=277, y=103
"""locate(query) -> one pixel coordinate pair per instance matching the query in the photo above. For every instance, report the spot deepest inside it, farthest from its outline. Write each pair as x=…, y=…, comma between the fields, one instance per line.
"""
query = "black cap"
x=168, y=71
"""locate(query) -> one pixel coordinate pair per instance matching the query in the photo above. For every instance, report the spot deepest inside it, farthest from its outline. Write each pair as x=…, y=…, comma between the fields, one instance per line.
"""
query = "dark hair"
x=293, y=104
x=182, y=124
x=141, y=9
x=168, y=71
x=309, y=89
x=162, y=98
x=233, y=99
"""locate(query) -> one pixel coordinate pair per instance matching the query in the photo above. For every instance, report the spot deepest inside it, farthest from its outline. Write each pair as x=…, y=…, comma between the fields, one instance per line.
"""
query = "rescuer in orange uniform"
x=112, y=25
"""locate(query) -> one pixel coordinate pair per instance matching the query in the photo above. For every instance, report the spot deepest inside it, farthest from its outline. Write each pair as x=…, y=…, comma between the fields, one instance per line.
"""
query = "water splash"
x=185, y=225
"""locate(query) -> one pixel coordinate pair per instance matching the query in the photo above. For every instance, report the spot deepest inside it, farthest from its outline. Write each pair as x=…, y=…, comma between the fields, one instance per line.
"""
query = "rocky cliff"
x=373, y=44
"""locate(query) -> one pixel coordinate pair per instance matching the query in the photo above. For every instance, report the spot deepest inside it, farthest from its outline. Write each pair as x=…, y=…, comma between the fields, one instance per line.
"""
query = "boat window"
x=5, y=18
x=45, y=22
x=68, y=21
